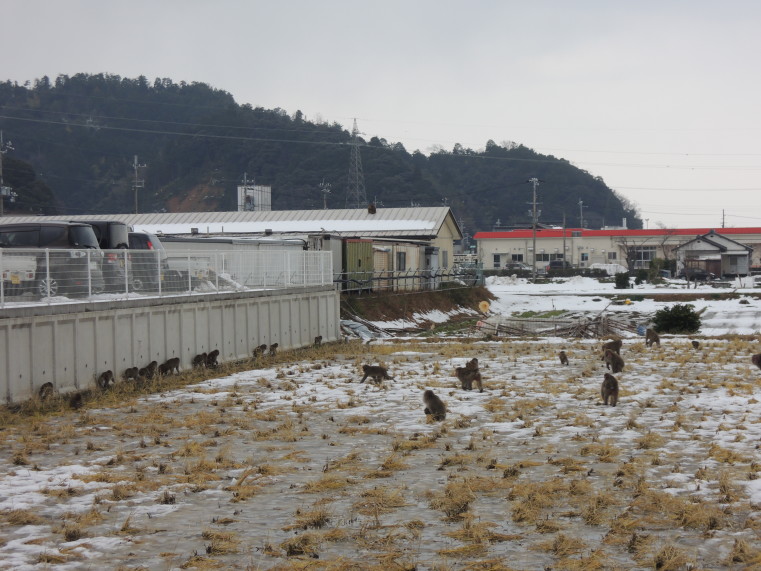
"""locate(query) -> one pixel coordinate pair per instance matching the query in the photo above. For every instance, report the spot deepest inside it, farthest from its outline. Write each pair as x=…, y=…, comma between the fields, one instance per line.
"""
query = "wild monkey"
x=609, y=390
x=105, y=380
x=46, y=391
x=211, y=359
x=613, y=361
x=199, y=361
x=756, y=360
x=652, y=337
x=695, y=344
x=259, y=351
x=273, y=349
x=318, y=341
x=472, y=364
x=434, y=406
x=614, y=346
x=173, y=365
x=151, y=369
x=467, y=376
x=76, y=401
x=163, y=370
x=563, y=358
x=130, y=374
x=376, y=373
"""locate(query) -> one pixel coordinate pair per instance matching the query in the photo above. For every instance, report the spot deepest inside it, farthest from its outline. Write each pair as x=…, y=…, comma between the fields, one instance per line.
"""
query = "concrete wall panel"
x=70, y=345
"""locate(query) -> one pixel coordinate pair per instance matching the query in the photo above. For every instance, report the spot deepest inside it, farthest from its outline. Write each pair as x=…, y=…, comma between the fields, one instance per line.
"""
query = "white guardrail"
x=53, y=276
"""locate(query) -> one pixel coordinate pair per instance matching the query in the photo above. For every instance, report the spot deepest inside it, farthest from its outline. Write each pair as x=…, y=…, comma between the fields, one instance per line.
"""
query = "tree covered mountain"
x=87, y=137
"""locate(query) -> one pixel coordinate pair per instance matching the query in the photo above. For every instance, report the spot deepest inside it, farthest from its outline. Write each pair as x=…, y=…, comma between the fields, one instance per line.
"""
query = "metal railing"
x=59, y=276
x=407, y=280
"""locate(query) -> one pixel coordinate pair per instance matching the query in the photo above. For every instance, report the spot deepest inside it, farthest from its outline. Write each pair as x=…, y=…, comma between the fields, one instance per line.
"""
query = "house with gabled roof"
x=714, y=253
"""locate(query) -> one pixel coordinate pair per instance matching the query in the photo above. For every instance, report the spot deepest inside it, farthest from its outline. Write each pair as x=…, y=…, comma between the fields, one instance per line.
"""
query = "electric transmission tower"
x=355, y=194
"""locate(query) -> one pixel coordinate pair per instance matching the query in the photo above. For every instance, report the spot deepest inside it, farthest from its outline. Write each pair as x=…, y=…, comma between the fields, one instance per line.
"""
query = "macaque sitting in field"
x=46, y=391
x=563, y=358
x=376, y=373
x=434, y=406
x=273, y=349
x=614, y=346
x=696, y=344
x=613, y=361
x=756, y=360
x=318, y=341
x=609, y=390
x=652, y=337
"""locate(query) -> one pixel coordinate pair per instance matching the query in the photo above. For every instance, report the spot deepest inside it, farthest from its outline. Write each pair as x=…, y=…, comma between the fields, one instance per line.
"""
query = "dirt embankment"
x=398, y=305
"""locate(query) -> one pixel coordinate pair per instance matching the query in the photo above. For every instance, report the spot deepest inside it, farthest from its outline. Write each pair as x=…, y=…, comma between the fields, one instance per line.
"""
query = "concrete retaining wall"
x=69, y=345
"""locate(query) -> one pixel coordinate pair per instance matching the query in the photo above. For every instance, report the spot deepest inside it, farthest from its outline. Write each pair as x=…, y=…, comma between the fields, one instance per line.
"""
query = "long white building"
x=582, y=247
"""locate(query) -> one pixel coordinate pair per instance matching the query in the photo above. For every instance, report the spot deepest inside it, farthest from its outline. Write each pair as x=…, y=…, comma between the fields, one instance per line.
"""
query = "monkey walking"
x=211, y=359
x=105, y=380
x=173, y=365
x=756, y=360
x=376, y=373
x=472, y=364
x=199, y=361
x=273, y=349
x=613, y=361
x=614, y=346
x=434, y=406
x=652, y=337
x=563, y=358
x=466, y=377
x=609, y=390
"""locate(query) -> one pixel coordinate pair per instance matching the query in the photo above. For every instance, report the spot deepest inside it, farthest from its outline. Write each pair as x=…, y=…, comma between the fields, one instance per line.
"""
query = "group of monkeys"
x=434, y=406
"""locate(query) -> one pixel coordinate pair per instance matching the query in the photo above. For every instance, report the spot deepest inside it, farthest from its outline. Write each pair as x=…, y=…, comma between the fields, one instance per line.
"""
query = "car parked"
x=517, y=267
x=149, y=261
x=558, y=265
x=112, y=236
x=71, y=265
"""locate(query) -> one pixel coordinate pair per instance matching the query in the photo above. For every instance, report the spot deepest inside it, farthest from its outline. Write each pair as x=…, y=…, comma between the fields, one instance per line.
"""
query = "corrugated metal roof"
x=555, y=233
x=397, y=222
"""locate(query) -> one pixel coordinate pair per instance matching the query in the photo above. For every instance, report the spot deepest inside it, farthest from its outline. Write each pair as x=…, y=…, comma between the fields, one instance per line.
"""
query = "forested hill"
x=81, y=134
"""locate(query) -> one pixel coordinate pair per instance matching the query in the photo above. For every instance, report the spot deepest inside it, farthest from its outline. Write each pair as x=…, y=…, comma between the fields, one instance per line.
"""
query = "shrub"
x=679, y=318
x=622, y=280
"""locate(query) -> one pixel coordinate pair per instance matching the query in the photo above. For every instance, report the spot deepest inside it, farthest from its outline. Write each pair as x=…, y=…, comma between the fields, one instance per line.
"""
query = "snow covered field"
x=295, y=464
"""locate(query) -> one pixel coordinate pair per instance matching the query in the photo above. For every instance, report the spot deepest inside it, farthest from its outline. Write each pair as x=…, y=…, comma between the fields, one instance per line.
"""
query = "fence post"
x=158, y=269
x=2, y=281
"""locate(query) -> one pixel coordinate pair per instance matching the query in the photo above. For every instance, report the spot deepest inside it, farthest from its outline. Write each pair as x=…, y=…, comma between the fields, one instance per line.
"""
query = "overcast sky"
x=660, y=98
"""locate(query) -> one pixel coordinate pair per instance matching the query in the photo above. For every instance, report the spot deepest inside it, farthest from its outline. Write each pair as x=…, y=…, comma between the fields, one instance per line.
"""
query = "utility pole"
x=564, y=260
x=534, y=219
x=4, y=190
x=325, y=190
x=138, y=183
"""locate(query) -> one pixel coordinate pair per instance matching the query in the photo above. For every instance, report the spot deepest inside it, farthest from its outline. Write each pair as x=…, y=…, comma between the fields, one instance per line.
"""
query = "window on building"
x=496, y=260
x=517, y=257
x=401, y=261
x=584, y=257
x=643, y=255
x=611, y=256
x=542, y=257
x=575, y=233
x=444, y=258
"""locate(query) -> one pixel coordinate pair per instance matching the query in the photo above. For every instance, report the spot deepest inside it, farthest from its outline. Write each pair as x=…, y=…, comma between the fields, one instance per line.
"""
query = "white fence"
x=53, y=276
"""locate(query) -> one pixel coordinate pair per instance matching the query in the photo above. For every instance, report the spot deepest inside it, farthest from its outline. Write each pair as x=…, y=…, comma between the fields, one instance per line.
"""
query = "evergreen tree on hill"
x=84, y=132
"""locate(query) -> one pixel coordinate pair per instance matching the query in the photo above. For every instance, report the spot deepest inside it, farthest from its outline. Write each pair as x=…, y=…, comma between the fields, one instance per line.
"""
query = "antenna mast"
x=355, y=195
